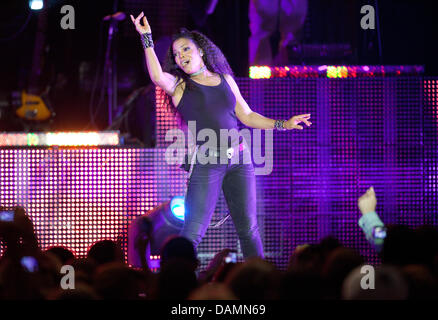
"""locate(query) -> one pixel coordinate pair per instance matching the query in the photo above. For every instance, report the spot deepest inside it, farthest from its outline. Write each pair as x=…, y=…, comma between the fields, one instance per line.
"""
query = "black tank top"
x=210, y=106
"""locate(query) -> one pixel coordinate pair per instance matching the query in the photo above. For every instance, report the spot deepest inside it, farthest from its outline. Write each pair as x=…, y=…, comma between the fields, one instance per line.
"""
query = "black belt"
x=230, y=151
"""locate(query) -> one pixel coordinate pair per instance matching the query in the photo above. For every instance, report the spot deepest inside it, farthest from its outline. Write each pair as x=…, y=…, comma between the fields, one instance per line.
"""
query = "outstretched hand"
x=293, y=123
x=145, y=28
x=368, y=201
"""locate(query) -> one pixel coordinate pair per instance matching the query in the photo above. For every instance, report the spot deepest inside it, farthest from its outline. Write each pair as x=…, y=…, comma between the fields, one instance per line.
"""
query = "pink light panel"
x=74, y=139
x=76, y=197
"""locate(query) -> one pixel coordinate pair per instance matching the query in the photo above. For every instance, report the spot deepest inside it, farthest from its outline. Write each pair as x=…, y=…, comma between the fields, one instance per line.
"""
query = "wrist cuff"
x=146, y=40
x=279, y=125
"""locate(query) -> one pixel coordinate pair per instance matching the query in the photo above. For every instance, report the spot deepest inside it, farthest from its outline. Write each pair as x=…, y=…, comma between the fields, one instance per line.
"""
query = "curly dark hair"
x=213, y=58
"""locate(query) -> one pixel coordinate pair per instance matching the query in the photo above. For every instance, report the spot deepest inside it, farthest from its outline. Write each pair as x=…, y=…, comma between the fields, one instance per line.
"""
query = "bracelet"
x=279, y=125
x=146, y=40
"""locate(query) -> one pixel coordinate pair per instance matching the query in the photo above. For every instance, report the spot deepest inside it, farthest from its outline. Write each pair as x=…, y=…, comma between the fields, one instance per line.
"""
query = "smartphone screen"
x=29, y=263
x=231, y=258
x=7, y=216
x=379, y=232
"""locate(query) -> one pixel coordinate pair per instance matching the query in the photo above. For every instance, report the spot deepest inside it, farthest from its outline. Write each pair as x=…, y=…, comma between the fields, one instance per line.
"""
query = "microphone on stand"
x=118, y=16
x=110, y=62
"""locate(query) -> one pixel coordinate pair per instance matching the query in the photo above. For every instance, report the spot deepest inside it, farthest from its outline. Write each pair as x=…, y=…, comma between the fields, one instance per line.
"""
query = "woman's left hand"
x=293, y=123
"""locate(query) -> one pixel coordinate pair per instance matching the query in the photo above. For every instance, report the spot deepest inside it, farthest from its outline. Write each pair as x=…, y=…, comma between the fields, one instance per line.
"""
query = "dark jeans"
x=239, y=186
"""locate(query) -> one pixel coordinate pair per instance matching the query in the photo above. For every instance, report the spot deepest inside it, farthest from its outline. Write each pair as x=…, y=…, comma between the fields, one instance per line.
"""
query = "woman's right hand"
x=138, y=26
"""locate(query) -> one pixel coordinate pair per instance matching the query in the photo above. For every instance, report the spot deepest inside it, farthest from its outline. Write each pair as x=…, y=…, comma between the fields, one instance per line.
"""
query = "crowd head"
x=326, y=270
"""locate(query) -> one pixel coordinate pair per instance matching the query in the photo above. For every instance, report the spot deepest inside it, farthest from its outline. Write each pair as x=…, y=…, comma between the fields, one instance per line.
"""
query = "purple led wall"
x=368, y=131
x=374, y=131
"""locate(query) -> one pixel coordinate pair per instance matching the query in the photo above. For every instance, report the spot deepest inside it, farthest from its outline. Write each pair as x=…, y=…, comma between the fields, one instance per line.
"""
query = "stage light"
x=266, y=72
x=337, y=72
x=157, y=225
x=36, y=4
x=259, y=72
x=177, y=207
x=72, y=139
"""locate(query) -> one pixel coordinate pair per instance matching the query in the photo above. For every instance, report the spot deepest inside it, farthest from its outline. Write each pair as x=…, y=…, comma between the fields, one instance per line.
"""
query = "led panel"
x=379, y=131
x=366, y=131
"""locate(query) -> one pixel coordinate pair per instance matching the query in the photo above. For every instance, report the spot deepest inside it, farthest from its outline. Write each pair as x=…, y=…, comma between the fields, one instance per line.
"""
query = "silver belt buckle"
x=230, y=153
x=209, y=152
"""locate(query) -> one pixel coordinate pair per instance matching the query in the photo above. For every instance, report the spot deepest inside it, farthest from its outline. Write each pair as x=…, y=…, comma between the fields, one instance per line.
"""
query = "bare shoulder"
x=229, y=78
x=232, y=83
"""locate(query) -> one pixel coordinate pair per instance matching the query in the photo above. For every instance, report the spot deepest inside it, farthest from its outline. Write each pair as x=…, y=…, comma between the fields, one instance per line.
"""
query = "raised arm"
x=255, y=120
x=369, y=219
x=164, y=80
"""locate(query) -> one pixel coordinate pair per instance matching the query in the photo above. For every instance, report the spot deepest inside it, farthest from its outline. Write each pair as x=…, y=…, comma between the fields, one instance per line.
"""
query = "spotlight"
x=177, y=207
x=36, y=4
x=156, y=225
